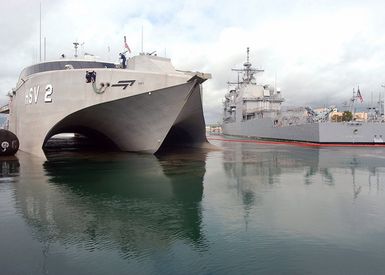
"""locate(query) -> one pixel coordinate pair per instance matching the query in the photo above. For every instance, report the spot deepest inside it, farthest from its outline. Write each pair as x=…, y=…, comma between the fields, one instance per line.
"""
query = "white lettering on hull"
x=48, y=93
x=33, y=94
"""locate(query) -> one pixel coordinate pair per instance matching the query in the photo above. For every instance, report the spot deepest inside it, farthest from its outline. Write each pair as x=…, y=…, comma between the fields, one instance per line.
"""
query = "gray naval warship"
x=254, y=110
x=141, y=104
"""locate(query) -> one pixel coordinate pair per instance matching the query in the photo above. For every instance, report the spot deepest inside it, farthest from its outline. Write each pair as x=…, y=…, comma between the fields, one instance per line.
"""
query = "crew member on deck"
x=123, y=60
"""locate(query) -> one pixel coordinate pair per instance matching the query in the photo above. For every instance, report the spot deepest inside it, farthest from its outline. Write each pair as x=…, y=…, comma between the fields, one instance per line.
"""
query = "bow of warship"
x=142, y=105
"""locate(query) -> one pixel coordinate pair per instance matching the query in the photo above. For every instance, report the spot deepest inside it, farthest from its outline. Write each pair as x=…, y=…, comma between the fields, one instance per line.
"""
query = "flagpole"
x=381, y=102
x=142, y=38
x=40, y=34
x=353, y=100
x=45, y=48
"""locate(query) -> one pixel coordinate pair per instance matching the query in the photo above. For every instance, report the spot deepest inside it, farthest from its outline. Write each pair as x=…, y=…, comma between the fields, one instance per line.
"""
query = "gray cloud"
x=316, y=52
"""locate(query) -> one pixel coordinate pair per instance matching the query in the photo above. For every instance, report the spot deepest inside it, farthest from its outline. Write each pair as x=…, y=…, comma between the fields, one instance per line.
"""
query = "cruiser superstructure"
x=138, y=108
x=254, y=110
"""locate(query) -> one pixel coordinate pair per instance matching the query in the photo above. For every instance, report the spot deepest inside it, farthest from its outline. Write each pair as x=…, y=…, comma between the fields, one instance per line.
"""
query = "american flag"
x=359, y=95
x=126, y=45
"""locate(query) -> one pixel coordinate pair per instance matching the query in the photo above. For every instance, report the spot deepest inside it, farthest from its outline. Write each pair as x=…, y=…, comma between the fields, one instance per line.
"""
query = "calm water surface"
x=244, y=209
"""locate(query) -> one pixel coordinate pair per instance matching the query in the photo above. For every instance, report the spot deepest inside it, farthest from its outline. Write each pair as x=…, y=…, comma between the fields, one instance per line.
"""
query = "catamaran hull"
x=323, y=133
x=141, y=123
x=139, y=119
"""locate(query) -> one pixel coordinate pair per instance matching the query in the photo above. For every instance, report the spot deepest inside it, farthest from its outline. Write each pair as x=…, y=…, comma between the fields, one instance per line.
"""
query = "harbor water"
x=241, y=208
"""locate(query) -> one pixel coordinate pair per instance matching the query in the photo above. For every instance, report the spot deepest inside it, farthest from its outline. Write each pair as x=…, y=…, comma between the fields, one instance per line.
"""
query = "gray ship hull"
x=252, y=109
x=322, y=132
x=141, y=123
x=135, y=110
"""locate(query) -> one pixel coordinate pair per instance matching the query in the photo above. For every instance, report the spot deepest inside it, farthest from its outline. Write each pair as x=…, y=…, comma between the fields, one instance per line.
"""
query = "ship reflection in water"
x=266, y=163
x=244, y=208
x=128, y=205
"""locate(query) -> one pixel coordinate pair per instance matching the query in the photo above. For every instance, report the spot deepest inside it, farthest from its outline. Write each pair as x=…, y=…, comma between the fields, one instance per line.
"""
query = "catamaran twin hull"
x=135, y=111
x=322, y=133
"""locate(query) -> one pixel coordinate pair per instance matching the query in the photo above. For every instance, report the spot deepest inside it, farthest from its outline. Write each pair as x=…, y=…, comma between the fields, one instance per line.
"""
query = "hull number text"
x=32, y=96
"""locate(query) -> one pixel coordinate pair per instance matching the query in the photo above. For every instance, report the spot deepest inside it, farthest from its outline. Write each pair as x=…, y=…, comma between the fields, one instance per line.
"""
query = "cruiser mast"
x=76, y=45
x=247, y=70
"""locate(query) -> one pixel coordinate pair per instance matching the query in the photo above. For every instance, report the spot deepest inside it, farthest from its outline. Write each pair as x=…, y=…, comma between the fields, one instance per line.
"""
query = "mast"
x=142, y=38
x=247, y=64
x=76, y=45
x=353, y=100
x=40, y=33
x=275, y=82
x=381, y=103
x=248, y=70
x=45, y=48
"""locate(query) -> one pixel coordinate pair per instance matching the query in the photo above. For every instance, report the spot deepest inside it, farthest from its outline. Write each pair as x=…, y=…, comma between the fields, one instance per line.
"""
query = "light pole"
x=381, y=102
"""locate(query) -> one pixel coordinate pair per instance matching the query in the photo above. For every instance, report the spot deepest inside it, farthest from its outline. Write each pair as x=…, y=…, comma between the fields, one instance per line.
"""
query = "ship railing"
x=267, y=99
x=282, y=123
x=259, y=110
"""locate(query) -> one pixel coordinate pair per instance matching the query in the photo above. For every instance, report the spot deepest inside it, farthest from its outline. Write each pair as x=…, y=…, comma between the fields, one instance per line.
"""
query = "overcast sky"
x=317, y=51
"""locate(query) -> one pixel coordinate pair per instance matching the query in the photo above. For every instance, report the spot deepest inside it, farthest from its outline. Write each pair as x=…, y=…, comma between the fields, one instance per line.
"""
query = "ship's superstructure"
x=254, y=110
x=255, y=100
x=138, y=106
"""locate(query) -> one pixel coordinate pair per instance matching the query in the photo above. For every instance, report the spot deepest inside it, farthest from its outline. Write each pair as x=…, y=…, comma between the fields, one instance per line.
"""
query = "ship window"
x=61, y=65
